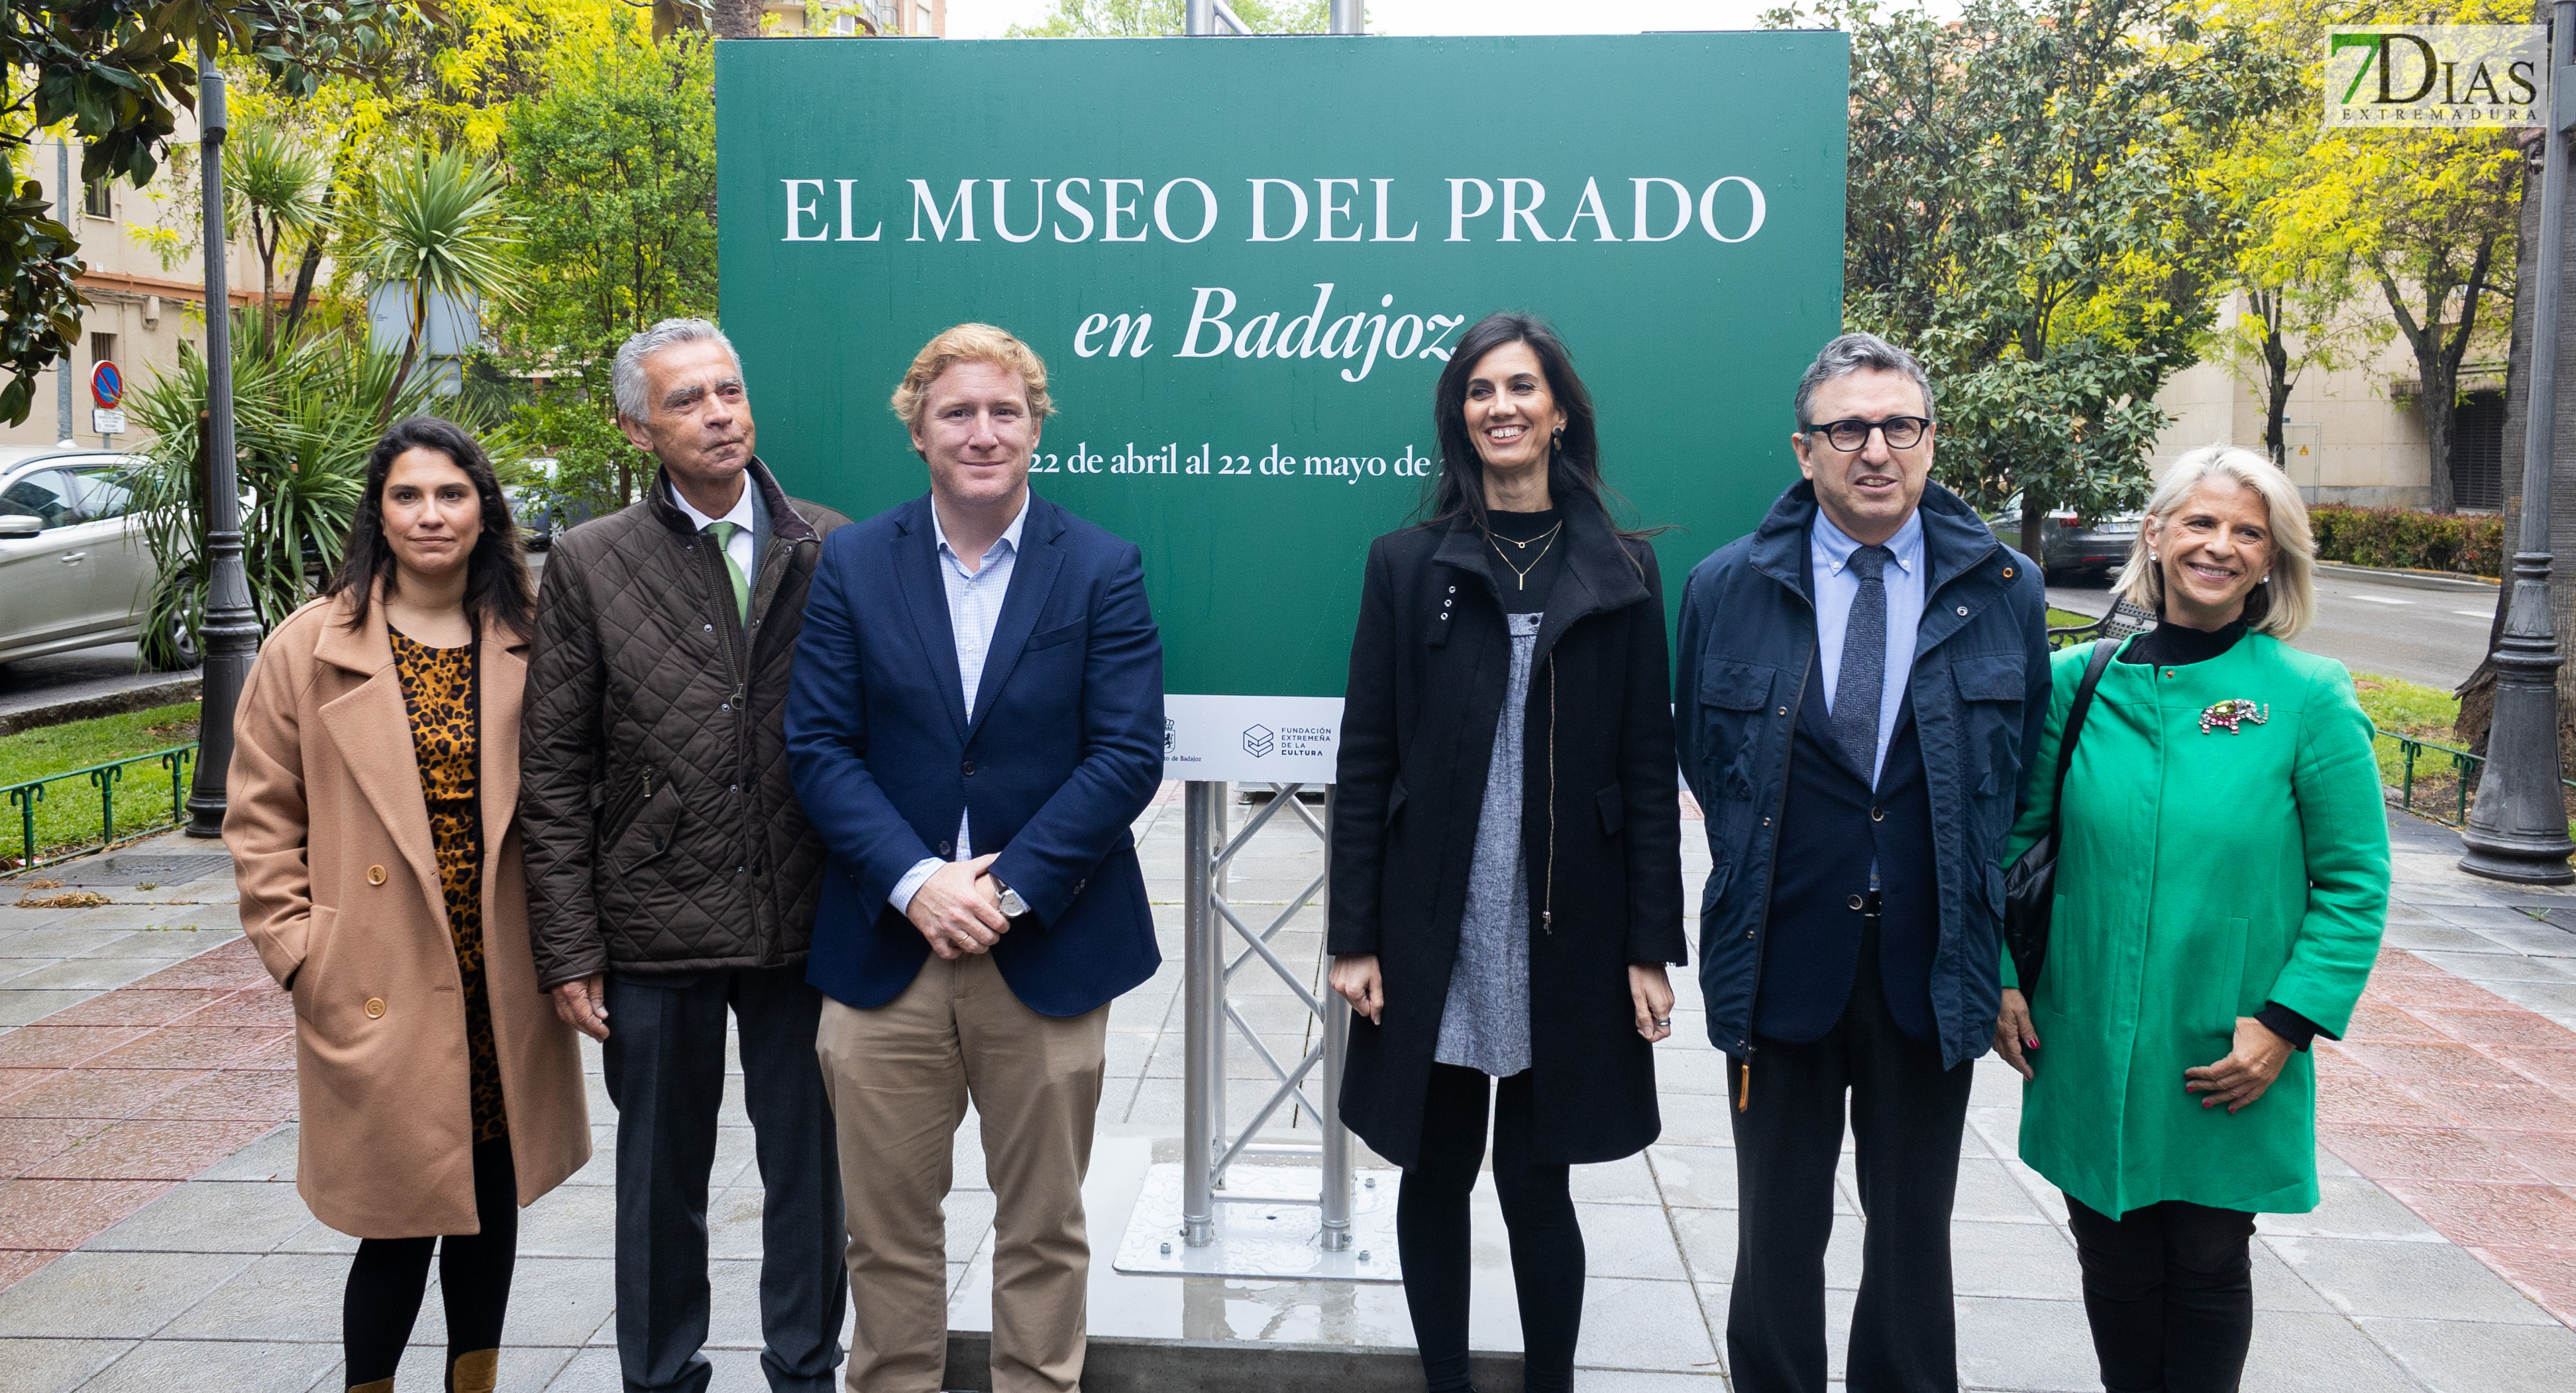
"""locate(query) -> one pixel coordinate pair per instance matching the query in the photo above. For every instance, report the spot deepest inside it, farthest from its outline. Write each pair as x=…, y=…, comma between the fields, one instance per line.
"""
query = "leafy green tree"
x=119, y=72
x=613, y=171
x=1138, y=19
x=2027, y=213
x=279, y=188
x=437, y=225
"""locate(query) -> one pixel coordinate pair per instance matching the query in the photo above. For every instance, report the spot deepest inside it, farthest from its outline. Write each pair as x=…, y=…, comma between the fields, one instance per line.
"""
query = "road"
x=2422, y=630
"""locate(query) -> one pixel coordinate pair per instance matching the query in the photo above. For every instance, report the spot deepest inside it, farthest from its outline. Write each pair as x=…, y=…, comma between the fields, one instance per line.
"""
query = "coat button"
x=1963, y=611
x=2168, y=672
x=1766, y=822
x=375, y=875
x=969, y=768
x=375, y=1008
x=1453, y=590
x=1854, y=902
x=710, y=628
x=1444, y=615
x=1878, y=814
x=2008, y=573
x=944, y=848
x=1748, y=933
x=1784, y=711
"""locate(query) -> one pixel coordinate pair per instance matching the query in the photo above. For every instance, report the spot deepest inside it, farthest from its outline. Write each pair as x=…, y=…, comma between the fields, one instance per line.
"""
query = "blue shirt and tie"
x=1838, y=584
x=974, y=607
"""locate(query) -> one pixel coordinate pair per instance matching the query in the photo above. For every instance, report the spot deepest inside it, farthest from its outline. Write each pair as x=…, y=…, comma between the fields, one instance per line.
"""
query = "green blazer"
x=2200, y=875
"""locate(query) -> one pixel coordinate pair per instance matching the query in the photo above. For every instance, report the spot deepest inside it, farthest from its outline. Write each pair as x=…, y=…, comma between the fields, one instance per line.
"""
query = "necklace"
x=1547, y=536
x=1520, y=574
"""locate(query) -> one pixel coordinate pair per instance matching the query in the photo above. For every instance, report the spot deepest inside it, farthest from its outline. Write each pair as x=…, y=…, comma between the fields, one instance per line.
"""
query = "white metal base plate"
x=1267, y=1225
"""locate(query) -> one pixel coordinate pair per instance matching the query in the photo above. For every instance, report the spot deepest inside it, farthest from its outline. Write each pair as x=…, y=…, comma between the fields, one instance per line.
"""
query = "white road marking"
x=2379, y=599
x=2476, y=613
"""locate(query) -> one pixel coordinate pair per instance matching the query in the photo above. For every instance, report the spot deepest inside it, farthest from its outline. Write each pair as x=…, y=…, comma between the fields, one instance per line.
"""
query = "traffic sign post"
x=107, y=395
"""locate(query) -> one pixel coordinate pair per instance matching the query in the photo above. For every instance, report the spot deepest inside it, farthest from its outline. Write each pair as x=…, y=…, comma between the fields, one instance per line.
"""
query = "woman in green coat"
x=2222, y=879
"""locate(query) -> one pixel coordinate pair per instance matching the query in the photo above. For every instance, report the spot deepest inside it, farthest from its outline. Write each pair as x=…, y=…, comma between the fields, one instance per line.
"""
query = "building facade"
x=140, y=308
x=2355, y=434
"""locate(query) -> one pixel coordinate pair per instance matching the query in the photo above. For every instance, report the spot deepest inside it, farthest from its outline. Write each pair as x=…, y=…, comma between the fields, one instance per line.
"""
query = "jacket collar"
x=785, y=523
x=1040, y=521
x=369, y=648
x=1599, y=574
x=1955, y=539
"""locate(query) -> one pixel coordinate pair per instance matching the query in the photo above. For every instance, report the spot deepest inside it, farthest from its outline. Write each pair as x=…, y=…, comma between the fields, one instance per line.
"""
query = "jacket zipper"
x=1771, y=866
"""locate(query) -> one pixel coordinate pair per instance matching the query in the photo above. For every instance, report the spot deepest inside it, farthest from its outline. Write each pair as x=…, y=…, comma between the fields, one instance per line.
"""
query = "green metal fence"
x=2411, y=750
x=53, y=829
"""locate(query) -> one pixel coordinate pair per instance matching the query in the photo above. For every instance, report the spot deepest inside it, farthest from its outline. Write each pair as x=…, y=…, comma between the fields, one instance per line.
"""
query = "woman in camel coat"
x=421, y=1037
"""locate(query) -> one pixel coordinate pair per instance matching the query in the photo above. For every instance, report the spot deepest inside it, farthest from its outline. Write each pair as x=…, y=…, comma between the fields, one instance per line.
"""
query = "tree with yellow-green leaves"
x=2422, y=222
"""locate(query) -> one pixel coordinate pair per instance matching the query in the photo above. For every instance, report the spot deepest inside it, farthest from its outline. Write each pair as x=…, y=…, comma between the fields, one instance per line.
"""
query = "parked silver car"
x=2074, y=545
x=73, y=567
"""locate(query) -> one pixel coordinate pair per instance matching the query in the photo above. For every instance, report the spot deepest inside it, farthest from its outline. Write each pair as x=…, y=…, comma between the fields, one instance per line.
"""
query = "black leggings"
x=2169, y=1292
x=1431, y=1229
x=389, y=1275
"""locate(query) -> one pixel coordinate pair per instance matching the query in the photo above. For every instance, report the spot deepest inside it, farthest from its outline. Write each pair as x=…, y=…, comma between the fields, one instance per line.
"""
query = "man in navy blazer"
x=975, y=720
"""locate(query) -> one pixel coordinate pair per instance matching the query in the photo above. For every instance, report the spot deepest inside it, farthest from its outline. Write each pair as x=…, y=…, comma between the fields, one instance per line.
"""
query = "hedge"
x=2406, y=539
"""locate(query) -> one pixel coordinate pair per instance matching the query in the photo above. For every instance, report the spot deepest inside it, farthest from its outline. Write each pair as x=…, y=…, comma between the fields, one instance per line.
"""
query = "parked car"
x=539, y=520
x=73, y=564
x=2074, y=545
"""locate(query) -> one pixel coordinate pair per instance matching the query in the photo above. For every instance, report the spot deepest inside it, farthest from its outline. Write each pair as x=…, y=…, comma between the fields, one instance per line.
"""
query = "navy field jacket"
x=1980, y=691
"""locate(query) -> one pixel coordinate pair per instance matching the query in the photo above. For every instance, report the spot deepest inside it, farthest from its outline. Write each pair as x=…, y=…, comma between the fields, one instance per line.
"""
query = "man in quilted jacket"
x=672, y=877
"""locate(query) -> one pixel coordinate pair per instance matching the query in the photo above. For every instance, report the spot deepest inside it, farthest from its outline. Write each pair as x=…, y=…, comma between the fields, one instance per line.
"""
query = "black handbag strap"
x=2103, y=649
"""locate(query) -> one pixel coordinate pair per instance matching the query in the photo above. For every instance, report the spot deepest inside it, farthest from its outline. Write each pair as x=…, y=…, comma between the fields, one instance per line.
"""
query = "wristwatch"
x=1012, y=905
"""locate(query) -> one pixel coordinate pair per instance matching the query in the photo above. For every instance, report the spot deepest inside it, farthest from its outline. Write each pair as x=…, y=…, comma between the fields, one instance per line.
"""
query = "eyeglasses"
x=1849, y=435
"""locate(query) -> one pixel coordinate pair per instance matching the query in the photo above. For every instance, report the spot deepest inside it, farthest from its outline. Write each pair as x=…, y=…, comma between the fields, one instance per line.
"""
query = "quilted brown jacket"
x=662, y=832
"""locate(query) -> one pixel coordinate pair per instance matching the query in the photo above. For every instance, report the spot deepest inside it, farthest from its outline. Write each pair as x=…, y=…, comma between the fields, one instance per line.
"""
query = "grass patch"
x=2426, y=713
x=68, y=814
x=2067, y=618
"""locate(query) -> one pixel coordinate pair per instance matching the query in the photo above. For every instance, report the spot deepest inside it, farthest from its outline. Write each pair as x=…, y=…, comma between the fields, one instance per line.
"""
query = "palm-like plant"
x=438, y=224
x=279, y=187
x=306, y=415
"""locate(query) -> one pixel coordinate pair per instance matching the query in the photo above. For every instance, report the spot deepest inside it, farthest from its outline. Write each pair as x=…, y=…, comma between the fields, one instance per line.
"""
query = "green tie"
x=724, y=532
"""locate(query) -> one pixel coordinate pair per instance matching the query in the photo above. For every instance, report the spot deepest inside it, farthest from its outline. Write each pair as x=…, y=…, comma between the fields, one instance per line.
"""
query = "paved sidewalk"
x=2454, y=1100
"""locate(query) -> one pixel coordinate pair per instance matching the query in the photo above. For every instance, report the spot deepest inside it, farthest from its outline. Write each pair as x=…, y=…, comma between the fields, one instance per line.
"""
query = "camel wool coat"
x=330, y=838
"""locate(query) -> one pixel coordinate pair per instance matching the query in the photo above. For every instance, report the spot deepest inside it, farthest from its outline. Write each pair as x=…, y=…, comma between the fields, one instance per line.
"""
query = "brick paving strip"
x=106, y=1104
x=2463, y=1106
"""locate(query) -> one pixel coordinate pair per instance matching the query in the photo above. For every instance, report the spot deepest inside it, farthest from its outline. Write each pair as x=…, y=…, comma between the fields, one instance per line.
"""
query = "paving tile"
x=25, y=1141
x=1641, y=1381
x=15, y=1081
x=266, y=1095
x=1644, y=1325
x=210, y=1216
x=58, y=1365
x=1694, y=1177
x=2434, y=989
x=2028, y=1260
x=94, y=974
x=66, y=1213
x=1695, y=1119
x=581, y=1222
x=2458, y=1357
x=2319, y=1351
x=2354, y=1208
x=150, y=1150
x=1702, y=1072
x=272, y=1157
x=2375, y=1021
x=2496, y=1027
x=1707, y=1239
x=178, y=1047
x=2549, y=1155
x=1628, y=1180
x=260, y=1005
x=1629, y=1240
x=2033, y=1346
x=2348, y=1096
x=26, y=1007
x=318, y=1238
x=107, y=1094
x=561, y=1301
x=239, y=1366
x=2524, y=1216
x=2277, y=1287
x=137, y=1006
x=2426, y=1061
x=2424, y=1152
x=1988, y=1191
x=589, y=1371
x=48, y=942
x=2518, y=1105
x=2498, y=967
x=61, y=1047
x=277, y=1296
x=2555, y=1067
x=424, y=1365
x=2434, y=1281
x=116, y=1295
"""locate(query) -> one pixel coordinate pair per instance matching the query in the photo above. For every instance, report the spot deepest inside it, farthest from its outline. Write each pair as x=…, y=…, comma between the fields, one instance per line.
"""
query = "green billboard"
x=1244, y=260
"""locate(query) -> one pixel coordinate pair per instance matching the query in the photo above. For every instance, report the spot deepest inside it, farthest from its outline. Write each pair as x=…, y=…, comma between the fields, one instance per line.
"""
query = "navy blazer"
x=1064, y=751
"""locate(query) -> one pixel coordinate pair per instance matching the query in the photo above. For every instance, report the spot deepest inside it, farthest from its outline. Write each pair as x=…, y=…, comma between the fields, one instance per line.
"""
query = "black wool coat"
x=1600, y=824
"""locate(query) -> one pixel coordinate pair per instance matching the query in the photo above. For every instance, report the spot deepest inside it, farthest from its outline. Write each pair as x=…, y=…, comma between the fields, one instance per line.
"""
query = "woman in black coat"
x=1506, y=843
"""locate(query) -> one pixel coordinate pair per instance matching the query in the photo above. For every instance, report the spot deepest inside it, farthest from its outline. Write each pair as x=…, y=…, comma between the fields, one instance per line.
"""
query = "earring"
x=2151, y=556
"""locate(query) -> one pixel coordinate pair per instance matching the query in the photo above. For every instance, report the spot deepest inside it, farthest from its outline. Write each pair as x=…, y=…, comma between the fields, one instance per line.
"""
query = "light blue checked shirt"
x=974, y=607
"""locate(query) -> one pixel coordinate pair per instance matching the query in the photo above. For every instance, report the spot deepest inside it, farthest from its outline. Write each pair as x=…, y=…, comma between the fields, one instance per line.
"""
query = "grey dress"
x=1486, y=1023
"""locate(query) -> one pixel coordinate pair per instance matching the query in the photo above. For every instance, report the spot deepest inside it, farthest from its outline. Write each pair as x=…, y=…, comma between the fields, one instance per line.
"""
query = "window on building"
x=102, y=349
x=845, y=25
x=96, y=201
x=924, y=23
x=2477, y=454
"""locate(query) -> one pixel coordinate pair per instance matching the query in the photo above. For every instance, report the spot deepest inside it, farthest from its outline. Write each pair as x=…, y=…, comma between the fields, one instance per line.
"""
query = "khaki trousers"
x=899, y=1077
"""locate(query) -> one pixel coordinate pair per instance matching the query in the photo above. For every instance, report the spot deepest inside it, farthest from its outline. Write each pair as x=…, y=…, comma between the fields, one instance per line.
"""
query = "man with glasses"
x=1860, y=684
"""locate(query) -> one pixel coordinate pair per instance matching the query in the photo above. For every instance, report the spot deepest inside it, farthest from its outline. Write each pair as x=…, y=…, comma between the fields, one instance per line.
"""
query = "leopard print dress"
x=438, y=689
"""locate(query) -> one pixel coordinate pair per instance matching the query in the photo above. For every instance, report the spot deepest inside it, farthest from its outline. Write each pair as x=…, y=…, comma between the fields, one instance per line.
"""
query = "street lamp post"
x=2518, y=830
x=230, y=634
x=63, y=209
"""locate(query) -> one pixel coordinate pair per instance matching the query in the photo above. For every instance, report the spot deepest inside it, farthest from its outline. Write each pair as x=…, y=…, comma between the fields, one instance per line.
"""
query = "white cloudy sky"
x=986, y=19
